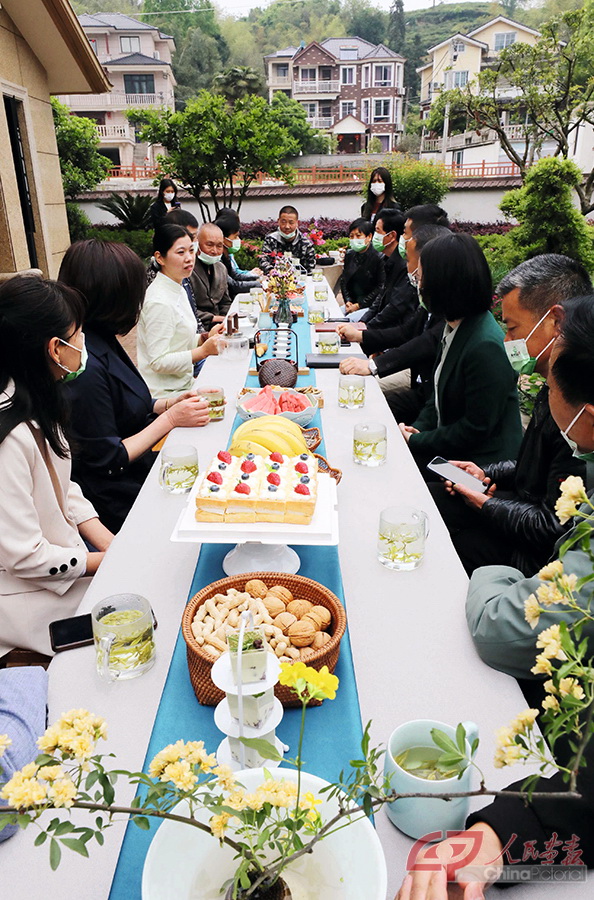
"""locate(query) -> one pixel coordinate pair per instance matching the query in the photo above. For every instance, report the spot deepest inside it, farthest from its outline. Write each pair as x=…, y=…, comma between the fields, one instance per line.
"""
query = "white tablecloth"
x=412, y=653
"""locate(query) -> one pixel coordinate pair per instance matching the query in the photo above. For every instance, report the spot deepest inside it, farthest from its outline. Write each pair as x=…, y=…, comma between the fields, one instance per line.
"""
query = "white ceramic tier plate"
x=230, y=726
x=184, y=863
x=223, y=677
x=225, y=758
x=322, y=530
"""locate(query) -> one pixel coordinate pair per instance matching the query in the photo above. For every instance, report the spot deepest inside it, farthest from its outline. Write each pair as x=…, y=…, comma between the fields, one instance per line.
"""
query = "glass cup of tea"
x=316, y=313
x=320, y=293
x=412, y=764
x=328, y=342
x=317, y=275
x=215, y=397
x=179, y=468
x=124, y=636
x=403, y=531
x=351, y=391
x=369, y=444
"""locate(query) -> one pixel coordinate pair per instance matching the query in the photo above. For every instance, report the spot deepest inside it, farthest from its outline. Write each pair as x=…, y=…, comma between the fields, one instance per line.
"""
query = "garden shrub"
x=139, y=241
x=78, y=222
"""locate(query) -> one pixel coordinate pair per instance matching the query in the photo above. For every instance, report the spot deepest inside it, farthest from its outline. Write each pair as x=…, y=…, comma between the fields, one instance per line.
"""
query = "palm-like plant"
x=238, y=82
x=131, y=210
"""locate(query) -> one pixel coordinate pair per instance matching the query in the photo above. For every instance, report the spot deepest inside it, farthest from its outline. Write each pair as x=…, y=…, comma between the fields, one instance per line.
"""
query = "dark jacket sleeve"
x=417, y=351
x=265, y=261
x=502, y=473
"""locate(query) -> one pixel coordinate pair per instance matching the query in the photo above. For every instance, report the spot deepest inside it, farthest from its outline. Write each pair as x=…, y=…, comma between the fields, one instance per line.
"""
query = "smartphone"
x=448, y=472
x=77, y=631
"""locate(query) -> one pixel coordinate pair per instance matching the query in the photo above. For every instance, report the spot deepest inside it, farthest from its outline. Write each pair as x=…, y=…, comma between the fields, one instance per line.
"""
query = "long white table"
x=412, y=653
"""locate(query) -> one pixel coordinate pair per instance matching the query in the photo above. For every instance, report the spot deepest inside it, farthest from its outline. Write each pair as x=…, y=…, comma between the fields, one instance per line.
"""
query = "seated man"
x=514, y=522
x=287, y=239
x=413, y=344
x=209, y=278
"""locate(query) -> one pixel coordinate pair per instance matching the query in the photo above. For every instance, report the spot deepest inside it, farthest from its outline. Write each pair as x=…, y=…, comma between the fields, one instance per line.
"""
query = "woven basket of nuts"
x=301, y=620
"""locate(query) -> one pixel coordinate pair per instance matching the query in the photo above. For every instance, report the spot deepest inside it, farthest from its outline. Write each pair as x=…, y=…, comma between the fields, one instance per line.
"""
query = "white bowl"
x=302, y=418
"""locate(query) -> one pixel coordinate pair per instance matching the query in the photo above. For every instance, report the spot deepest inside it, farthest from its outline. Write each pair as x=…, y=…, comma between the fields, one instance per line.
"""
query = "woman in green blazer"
x=474, y=406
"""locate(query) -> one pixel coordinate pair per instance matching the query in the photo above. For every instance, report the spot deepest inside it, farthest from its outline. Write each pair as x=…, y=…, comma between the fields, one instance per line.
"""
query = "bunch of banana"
x=268, y=434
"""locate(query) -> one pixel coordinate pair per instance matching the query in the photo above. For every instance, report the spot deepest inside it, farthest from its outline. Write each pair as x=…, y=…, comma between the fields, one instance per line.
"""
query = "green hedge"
x=139, y=241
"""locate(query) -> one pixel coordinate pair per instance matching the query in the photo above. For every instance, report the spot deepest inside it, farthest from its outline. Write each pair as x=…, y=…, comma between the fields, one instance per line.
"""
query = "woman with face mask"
x=379, y=194
x=44, y=518
x=165, y=202
x=362, y=280
x=168, y=341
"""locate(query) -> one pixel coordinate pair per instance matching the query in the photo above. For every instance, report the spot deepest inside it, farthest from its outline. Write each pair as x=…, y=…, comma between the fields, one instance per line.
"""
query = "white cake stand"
x=264, y=546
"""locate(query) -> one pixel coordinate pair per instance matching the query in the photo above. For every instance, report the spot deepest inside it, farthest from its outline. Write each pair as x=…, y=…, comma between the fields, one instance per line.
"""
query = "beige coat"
x=42, y=555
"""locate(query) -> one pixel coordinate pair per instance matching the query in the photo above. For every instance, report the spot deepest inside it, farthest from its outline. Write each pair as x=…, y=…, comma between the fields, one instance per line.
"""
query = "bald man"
x=209, y=278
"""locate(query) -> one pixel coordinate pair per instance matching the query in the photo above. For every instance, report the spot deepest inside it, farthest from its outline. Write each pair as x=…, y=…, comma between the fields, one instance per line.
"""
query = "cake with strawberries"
x=252, y=488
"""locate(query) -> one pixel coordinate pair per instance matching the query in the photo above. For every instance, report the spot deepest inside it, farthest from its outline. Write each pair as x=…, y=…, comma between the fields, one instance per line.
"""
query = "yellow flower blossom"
x=551, y=570
x=237, y=799
x=307, y=682
x=549, y=686
x=218, y=824
x=568, y=582
x=549, y=641
x=570, y=687
x=255, y=801
x=573, y=488
x=525, y=719
x=23, y=789
x=549, y=593
x=543, y=666
x=225, y=777
x=532, y=611
x=4, y=743
x=508, y=749
x=50, y=773
x=550, y=702
x=180, y=774
x=62, y=792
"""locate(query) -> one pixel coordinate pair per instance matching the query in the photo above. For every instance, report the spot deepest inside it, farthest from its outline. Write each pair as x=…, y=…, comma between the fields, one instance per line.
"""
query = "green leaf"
x=443, y=741
x=76, y=845
x=55, y=854
x=461, y=738
x=264, y=748
x=63, y=828
x=40, y=839
x=142, y=822
x=108, y=791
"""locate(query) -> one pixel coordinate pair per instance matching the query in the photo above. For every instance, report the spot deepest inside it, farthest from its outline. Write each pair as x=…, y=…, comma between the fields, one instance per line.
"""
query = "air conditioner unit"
x=156, y=55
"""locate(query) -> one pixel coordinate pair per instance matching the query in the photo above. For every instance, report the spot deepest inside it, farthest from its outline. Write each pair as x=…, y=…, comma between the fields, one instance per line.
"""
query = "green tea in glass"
x=124, y=637
x=351, y=391
x=369, y=444
x=401, y=539
x=179, y=468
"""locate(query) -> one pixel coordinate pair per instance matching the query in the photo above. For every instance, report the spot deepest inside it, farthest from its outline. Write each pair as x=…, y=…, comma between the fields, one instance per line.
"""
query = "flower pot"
x=185, y=862
x=280, y=890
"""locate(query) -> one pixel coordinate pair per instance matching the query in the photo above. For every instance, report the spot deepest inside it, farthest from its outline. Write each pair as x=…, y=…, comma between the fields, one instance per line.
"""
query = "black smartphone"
x=77, y=631
x=448, y=472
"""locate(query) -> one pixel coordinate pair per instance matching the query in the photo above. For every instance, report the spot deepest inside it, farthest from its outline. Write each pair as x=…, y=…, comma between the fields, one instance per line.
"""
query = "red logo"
x=464, y=846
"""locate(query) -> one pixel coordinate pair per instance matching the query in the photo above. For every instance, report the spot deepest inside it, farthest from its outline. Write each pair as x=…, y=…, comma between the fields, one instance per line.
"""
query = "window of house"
x=458, y=46
x=347, y=108
x=365, y=111
x=366, y=76
x=326, y=110
x=382, y=76
x=348, y=53
x=139, y=84
x=93, y=44
x=347, y=74
x=456, y=79
x=504, y=39
x=311, y=109
x=309, y=74
x=130, y=44
x=457, y=157
x=325, y=73
x=382, y=109
x=282, y=70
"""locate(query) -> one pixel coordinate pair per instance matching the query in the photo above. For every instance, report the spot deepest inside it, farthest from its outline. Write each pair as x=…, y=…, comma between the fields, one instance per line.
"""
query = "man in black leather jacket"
x=514, y=522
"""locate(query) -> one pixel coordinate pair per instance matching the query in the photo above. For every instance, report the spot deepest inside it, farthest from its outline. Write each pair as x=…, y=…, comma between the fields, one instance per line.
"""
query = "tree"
x=81, y=164
x=549, y=222
x=195, y=65
x=551, y=94
x=129, y=7
x=364, y=20
x=238, y=82
x=397, y=27
x=219, y=148
x=291, y=116
x=415, y=181
x=131, y=210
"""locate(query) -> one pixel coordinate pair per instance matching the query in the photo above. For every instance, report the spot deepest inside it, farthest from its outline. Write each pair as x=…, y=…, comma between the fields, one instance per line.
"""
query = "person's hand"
x=350, y=332
x=210, y=347
x=469, y=467
x=216, y=329
x=474, y=499
x=192, y=412
x=216, y=319
x=438, y=871
x=351, y=307
x=257, y=272
x=407, y=430
x=353, y=366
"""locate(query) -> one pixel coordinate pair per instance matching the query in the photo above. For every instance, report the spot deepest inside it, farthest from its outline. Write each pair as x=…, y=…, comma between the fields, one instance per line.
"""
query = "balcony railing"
x=316, y=87
x=320, y=121
x=279, y=80
x=472, y=138
x=116, y=132
x=115, y=100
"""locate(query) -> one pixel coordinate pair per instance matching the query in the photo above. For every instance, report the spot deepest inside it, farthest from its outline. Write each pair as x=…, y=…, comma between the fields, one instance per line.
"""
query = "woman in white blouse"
x=44, y=518
x=168, y=343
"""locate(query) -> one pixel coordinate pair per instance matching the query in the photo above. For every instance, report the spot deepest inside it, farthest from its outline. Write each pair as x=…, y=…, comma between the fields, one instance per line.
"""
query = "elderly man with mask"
x=209, y=278
x=287, y=239
x=514, y=520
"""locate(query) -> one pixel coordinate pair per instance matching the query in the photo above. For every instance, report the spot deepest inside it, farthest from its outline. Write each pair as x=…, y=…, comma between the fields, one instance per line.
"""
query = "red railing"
x=340, y=174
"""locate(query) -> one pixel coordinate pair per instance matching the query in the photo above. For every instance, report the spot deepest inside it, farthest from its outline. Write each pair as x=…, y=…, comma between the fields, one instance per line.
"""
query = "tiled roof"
x=288, y=51
x=381, y=52
x=135, y=59
x=119, y=21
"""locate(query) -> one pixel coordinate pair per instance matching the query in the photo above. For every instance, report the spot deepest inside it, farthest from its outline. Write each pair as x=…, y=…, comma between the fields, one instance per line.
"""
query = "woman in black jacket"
x=380, y=194
x=362, y=280
x=165, y=202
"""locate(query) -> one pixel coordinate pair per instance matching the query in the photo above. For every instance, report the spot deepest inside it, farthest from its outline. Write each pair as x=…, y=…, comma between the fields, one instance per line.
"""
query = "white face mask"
x=209, y=260
x=169, y=197
x=378, y=188
x=586, y=457
x=412, y=277
x=289, y=236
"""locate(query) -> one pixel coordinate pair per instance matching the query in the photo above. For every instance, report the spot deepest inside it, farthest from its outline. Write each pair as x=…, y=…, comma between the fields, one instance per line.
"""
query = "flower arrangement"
x=282, y=280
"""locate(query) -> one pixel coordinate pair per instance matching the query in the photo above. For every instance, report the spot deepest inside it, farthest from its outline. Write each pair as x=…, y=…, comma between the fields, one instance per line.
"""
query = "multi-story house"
x=137, y=60
x=348, y=87
x=456, y=62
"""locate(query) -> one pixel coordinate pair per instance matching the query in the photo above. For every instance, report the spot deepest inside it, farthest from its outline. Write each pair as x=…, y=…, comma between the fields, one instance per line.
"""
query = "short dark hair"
x=165, y=237
x=363, y=225
x=456, y=280
x=426, y=233
x=228, y=223
x=166, y=183
x=288, y=211
x=545, y=280
x=427, y=214
x=32, y=312
x=111, y=278
x=393, y=220
x=181, y=217
x=573, y=369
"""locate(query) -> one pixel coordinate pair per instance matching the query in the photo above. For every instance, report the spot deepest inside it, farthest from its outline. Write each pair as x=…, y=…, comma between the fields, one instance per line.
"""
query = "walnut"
x=256, y=588
x=274, y=605
x=321, y=638
x=301, y=633
x=323, y=613
x=284, y=621
x=299, y=607
x=314, y=618
x=284, y=593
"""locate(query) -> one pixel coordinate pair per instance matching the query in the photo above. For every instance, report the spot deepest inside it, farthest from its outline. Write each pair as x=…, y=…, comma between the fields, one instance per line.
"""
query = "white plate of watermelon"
x=278, y=402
